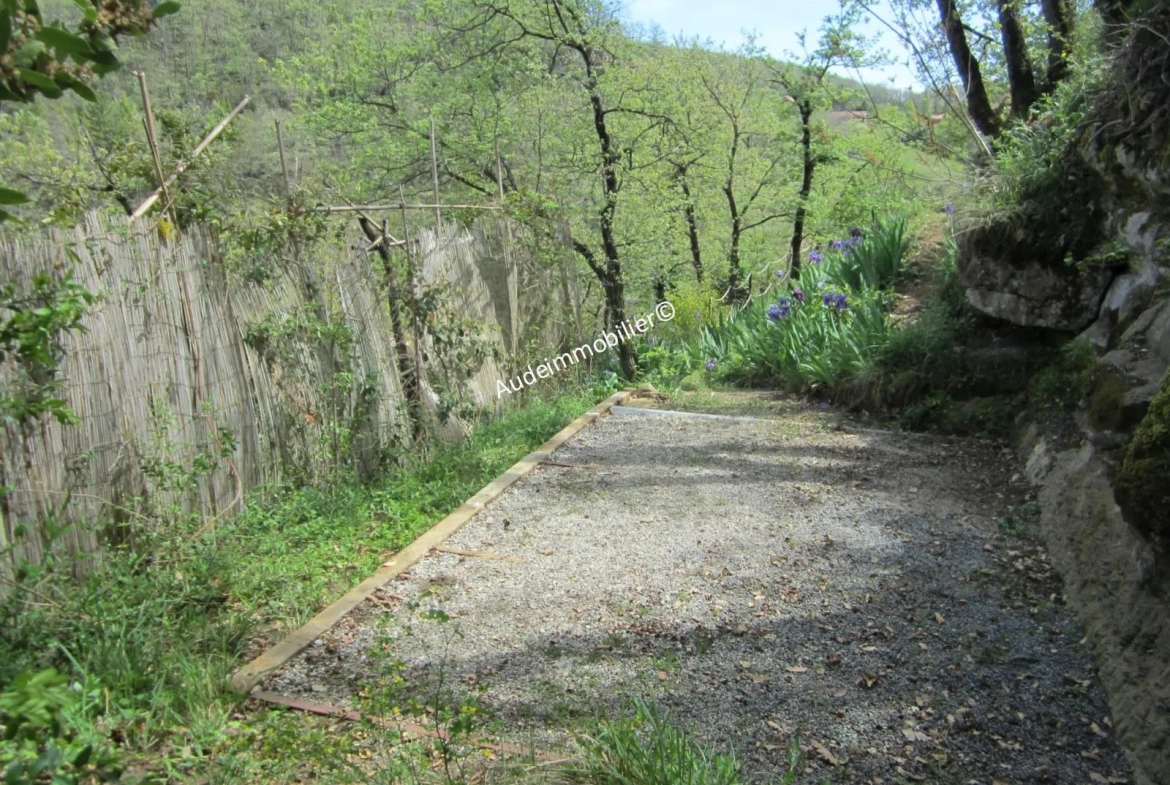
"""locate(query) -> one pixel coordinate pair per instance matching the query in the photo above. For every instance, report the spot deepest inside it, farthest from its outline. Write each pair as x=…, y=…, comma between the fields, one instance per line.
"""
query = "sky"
x=776, y=21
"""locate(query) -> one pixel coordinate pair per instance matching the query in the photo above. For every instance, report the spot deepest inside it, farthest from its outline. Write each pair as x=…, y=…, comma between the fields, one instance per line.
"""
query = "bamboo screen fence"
x=181, y=401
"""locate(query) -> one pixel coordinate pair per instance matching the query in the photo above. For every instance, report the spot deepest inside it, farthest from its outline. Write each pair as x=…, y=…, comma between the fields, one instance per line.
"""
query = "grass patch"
x=645, y=749
x=164, y=618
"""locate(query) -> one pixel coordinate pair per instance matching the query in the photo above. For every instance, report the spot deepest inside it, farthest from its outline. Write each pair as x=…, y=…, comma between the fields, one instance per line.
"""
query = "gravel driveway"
x=876, y=594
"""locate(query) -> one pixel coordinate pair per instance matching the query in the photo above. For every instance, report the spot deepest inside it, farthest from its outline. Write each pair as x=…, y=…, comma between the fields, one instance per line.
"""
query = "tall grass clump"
x=645, y=749
x=869, y=261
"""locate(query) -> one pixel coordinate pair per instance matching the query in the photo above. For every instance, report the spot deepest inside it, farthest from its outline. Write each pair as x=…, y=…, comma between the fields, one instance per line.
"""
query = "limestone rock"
x=1117, y=593
x=1035, y=294
x=1039, y=462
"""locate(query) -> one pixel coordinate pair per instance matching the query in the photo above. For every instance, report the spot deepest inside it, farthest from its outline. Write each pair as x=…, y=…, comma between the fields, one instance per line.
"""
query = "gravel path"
x=758, y=579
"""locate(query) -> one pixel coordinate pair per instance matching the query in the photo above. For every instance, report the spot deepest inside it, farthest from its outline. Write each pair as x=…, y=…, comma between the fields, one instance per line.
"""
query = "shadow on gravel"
x=850, y=590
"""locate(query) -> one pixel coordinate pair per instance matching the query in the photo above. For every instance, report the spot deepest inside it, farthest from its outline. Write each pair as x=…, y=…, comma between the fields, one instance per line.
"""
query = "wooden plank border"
x=246, y=678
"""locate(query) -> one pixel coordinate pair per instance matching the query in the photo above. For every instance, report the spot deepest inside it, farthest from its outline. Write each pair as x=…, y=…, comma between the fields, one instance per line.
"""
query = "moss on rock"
x=1142, y=489
x=1107, y=401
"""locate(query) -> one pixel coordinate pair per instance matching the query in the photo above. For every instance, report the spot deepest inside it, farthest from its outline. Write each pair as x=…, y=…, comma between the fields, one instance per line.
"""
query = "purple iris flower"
x=785, y=302
x=837, y=245
x=798, y=293
x=776, y=312
x=855, y=233
x=949, y=208
x=815, y=257
x=781, y=273
x=834, y=300
x=710, y=365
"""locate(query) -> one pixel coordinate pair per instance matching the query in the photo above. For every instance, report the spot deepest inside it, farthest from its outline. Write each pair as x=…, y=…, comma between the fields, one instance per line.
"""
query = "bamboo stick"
x=182, y=167
x=283, y=164
x=435, y=181
x=357, y=208
x=152, y=141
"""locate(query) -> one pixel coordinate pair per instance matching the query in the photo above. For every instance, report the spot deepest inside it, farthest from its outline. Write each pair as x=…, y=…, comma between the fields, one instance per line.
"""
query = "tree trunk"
x=735, y=291
x=806, y=182
x=406, y=370
x=692, y=223
x=1059, y=14
x=978, y=104
x=611, y=275
x=1021, y=81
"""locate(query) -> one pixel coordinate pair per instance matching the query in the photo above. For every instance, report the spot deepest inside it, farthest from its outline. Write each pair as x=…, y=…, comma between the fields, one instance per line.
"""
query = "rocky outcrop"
x=1143, y=484
x=1119, y=598
x=1036, y=294
x=1105, y=502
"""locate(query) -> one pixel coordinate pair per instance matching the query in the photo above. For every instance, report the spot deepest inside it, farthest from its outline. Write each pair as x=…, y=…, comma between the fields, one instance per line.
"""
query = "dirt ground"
x=784, y=574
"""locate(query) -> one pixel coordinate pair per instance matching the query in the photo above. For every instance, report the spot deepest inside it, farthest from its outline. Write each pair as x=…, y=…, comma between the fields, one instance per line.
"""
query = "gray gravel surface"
x=760, y=581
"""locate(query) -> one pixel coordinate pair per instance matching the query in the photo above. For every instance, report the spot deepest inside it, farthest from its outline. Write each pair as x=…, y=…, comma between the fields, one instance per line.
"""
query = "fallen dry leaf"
x=939, y=618
x=867, y=680
x=914, y=735
x=796, y=669
x=825, y=754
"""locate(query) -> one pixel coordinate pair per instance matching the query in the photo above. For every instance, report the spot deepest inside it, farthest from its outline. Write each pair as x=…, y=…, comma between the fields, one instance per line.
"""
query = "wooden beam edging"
x=246, y=678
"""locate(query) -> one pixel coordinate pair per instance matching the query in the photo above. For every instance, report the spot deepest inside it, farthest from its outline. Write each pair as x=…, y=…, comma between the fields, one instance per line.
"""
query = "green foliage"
x=990, y=416
x=820, y=333
x=166, y=615
x=1063, y=383
x=31, y=327
x=45, y=738
x=47, y=58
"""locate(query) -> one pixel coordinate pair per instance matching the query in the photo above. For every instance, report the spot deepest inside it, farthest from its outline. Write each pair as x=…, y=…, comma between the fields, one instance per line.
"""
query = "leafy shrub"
x=1063, y=383
x=40, y=741
x=696, y=306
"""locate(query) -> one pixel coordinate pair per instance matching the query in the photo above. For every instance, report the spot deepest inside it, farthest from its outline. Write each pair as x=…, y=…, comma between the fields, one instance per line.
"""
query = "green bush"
x=1063, y=383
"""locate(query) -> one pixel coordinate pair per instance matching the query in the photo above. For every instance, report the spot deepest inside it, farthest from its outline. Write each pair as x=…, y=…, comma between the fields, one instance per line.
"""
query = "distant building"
x=846, y=115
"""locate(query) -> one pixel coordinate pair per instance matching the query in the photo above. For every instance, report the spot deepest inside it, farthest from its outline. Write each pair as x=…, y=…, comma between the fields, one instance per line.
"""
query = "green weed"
x=647, y=750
